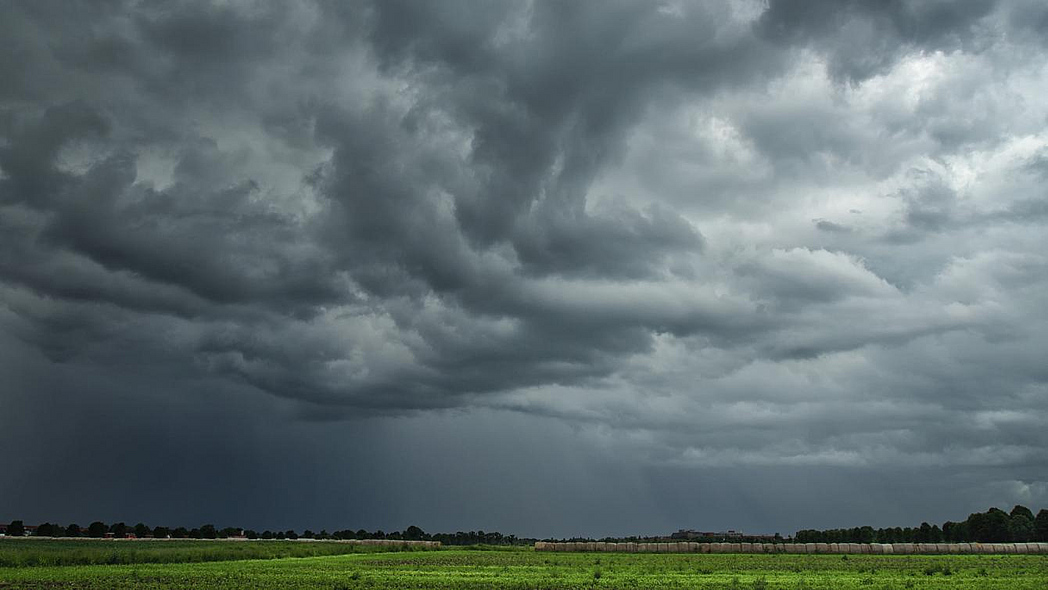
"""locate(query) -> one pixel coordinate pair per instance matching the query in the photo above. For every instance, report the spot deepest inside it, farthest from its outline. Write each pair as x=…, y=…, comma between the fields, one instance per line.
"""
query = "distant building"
x=728, y=534
x=29, y=529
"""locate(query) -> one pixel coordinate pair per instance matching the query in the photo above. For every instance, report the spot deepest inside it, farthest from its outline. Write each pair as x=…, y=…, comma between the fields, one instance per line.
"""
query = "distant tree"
x=991, y=526
x=290, y=534
x=97, y=529
x=16, y=528
x=179, y=533
x=119, y=530
x=1020, y=509
x=936, y=534
x=208, y=531
x=1040, y=526
x=194, y=533
x=267, y=534
x=1020, y=527
x=280, y=535
x=250, y=534
x=45, y=529
x=141, y=530
x=161, y=532
x=72, y=530
x=414, y=533
x=307, y=534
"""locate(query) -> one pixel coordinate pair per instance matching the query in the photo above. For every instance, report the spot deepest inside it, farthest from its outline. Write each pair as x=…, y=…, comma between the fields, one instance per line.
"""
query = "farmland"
x=523, y=568
x=67, y=552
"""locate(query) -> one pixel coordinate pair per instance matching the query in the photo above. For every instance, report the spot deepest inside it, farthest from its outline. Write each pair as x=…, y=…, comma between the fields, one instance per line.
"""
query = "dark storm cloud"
x=862, y=39
x=627, y=228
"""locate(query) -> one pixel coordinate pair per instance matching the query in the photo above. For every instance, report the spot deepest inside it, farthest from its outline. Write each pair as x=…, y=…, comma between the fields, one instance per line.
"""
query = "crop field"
x=524, y=568
x=48, y=552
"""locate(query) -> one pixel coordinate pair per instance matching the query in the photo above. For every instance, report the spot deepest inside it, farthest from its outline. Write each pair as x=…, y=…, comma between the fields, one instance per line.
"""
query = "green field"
x=48, y=552
x=524, y=568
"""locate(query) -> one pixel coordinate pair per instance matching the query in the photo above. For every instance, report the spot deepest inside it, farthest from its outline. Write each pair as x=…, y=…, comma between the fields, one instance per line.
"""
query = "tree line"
x=992, y=526
x=121, y=530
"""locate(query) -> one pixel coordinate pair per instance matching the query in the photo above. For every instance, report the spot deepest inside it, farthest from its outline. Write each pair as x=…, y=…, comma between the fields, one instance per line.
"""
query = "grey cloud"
x=335, y=239
x=862, y=39
x=830, y=226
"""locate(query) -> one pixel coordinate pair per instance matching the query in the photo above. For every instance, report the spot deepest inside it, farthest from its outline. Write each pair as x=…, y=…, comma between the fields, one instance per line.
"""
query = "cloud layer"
x=681, y=237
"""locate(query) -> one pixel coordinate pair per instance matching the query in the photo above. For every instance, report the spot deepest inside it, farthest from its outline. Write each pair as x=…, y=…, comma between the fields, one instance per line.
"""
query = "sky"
x=547, y=268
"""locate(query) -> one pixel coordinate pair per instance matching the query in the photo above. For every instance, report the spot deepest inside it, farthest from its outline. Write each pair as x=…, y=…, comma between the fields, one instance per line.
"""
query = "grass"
x=462, y=569
x=47, y=552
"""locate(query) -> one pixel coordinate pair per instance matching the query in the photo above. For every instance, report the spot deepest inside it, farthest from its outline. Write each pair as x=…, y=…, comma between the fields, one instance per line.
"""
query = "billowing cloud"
x=693, y=240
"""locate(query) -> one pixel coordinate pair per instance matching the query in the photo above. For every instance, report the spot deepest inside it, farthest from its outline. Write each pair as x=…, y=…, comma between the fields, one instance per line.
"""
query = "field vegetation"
x=21, y=553
x=525, y=569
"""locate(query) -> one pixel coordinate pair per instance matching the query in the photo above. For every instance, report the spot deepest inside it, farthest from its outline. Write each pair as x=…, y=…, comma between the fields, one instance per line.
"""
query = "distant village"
x=712, y=536
x=32, y=530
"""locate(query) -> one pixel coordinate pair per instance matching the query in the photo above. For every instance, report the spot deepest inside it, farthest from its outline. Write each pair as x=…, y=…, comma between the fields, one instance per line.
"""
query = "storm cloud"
x=476, y=265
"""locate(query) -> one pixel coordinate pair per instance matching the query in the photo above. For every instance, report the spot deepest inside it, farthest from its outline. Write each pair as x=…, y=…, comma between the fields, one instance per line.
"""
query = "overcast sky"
x=547, y=268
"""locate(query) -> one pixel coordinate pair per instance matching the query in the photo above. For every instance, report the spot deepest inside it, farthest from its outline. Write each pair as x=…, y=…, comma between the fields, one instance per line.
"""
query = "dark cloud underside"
x=760, y=243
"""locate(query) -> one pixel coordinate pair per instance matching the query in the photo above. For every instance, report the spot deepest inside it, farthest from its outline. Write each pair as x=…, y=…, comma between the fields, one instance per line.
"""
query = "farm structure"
x=852, y=548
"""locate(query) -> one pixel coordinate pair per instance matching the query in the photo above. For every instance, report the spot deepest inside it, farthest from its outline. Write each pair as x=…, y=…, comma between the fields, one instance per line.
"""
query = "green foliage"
x=1020, y=527
x=1019, y=509
x=519, y=569
x=1040, y=526
x=992, y=526
x=37, y=552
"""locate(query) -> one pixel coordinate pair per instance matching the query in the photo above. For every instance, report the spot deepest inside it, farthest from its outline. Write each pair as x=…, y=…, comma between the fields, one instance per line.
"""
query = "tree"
x=208, y=531
x=161, y=532
x=1020, y=527
x=936, y=534
x=72, y=530
x=179, y=533
x=141, y=530
x=45, y=529
x=413, y=533
x=16, y=528
x=1020, y=509
x=990, y=526
x=1040, y=526
x=97, y=529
